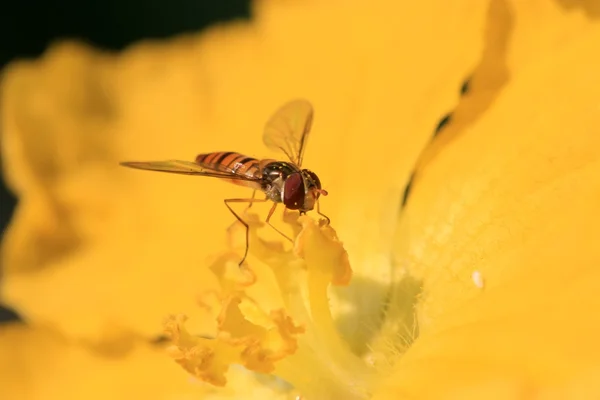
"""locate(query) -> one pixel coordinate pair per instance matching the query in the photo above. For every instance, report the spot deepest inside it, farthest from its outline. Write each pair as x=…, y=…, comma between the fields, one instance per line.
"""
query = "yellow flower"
x=287, y=331
x=91, y=221
x=483, y=285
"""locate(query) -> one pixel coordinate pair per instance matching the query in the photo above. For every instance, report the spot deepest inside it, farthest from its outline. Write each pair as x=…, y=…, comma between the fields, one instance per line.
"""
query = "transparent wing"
x=288, y=129
x=185, y=168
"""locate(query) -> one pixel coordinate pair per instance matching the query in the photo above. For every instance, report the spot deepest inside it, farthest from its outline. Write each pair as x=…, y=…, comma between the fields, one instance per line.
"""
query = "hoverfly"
x=281, y=181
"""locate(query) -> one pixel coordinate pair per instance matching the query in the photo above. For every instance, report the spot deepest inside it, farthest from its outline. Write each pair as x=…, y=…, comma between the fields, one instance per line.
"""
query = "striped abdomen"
x=231, y=162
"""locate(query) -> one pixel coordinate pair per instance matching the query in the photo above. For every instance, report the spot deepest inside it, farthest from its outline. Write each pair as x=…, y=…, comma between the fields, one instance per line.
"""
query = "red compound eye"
x=293, y=192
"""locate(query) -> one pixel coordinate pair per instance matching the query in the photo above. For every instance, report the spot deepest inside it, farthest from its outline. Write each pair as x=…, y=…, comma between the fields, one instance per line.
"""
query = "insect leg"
x=268, y=221
x=227, y=201
x=252, y=199
x=250, y=202
x=328, y=221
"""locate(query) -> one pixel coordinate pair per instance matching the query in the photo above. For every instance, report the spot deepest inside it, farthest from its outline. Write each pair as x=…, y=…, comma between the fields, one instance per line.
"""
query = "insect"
x=283, y=182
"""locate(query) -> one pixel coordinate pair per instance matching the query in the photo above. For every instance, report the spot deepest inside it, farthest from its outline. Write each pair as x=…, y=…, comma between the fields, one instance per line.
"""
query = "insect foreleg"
x=321, y=214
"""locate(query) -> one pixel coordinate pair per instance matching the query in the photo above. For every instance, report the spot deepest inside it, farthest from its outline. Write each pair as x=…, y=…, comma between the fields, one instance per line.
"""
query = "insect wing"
x=183, y=167
x=288, y=129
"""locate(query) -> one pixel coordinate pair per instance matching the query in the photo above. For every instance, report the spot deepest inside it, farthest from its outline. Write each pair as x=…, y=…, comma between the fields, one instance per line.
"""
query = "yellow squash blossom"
x=490, y=265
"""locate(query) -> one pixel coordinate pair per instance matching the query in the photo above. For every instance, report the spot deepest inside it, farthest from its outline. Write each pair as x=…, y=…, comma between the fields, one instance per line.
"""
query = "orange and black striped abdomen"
x=230, y=162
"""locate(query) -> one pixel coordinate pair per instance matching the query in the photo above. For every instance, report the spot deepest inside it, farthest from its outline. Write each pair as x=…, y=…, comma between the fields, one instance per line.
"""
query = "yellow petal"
x=537, y=28
x=40, y=364
x=91, y=249
x=512, y=197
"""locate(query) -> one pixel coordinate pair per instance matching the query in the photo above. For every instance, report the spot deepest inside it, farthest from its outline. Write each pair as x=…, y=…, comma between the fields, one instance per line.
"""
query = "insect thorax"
x=273, y=179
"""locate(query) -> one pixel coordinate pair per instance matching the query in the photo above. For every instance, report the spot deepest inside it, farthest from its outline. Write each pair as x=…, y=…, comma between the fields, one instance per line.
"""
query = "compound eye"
x=293, y=192
x=315, y=178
